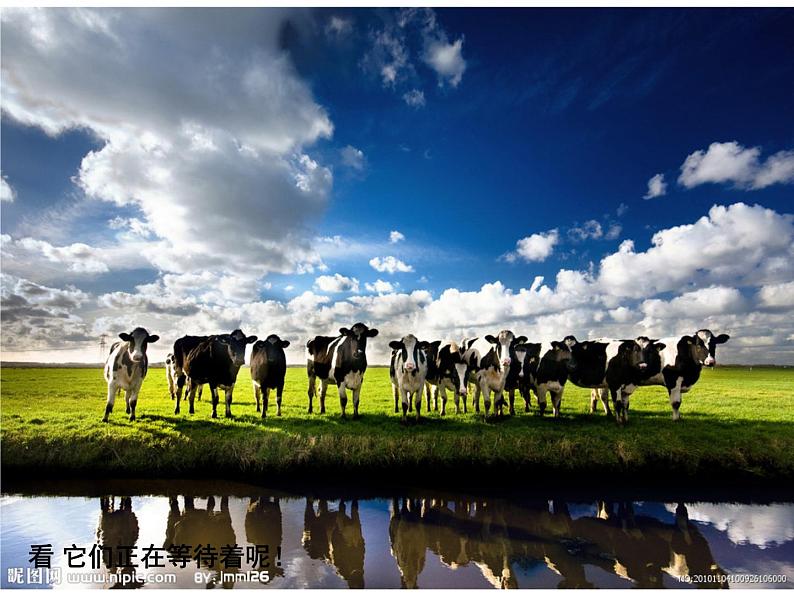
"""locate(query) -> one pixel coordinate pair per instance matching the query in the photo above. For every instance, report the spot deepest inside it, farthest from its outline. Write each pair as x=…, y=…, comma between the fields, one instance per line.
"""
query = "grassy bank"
x=737, y=426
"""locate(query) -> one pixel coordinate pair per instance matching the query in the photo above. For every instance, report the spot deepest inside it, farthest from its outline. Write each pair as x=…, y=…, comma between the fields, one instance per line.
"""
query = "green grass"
x=737, y=425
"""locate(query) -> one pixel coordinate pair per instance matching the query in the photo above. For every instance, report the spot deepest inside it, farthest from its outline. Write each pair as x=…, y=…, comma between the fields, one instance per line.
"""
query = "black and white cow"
x=268, y=369
x=545, y=371
x=446, y=370
x=126, y=368
x=340, y=360
x=617, y=366
x=408, y=371
x=489, y=359
x=215, y=361
x=681, y=363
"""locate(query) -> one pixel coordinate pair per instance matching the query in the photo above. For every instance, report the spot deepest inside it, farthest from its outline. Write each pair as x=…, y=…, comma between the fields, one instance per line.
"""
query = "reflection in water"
x=117, y=528
x=415, y=541
x=336, y=538
x=197, y=527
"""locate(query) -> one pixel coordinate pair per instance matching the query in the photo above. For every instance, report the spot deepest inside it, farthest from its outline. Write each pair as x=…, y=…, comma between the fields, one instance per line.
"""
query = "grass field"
x=737, y=426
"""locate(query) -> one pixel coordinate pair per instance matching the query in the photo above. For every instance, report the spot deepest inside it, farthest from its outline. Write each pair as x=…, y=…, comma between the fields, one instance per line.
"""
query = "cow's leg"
x=132, y=400
x=626, y=396
x=312, y=381
x=418, y=402
x=200, y=391
x=404, y=400
x=486, y=400
x=593, y=400
x=214, y=392
x=435, y=401
x=443, y=391
x=265, y=397
x=343, y=398
x=603, y=395
x=257, y=396
x=111, y=399
x=556, y=400
x=279, y=392
x=126, y=400
x=191, y=397
x=229, y=394
x=512, y=396
x=356, y=396
x=323, y=391
x=427, y=396
x=617, y=402
x=476, y=398
x=180, y=385
x=171, y=386
x=675, y=398
x=540, y=393
x=525, y=395
x=395, y=391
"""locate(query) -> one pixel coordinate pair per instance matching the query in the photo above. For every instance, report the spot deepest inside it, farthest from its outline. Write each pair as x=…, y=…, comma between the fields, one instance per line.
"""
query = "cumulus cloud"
x=353, y=158
x=733, y=163
x=589, y=230
x=381, y=287
x=338, y=27
x=447, y=60
x=7, y=192
x=389, y=264
x=613, y=231
x=225, y=138
x=702, y=303
x=657, y=187
x=336, y=283
x=414, y=98
x=537, y=247
x=395, y=236
x=760, y=525
x=777, y=296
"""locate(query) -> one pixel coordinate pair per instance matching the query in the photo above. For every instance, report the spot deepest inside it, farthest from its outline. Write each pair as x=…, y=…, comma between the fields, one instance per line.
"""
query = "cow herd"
x=495, y=366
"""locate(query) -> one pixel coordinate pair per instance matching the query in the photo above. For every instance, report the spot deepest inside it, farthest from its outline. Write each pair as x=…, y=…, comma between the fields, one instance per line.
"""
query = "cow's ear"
x=520, y=339
x=722, y=338
x=491, y=339
x=660, y=346
x=125, y=336
x=152, y=338
x=396, y=345
x=558, y=345
x=344, y=331
x=284, y=343
x=251, y=339
x=372, y=332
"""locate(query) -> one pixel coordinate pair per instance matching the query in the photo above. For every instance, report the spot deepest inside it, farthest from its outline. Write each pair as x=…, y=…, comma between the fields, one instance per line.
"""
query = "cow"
x=340, y=360
x=681, y=363
x=268, y=369
x=617, y=365
x=446, y=370
x=489, y=358
x=216, y=361
x=545, y=370
x=182, y=347
x=408, y=371
x=171, y=377
x=126, y=368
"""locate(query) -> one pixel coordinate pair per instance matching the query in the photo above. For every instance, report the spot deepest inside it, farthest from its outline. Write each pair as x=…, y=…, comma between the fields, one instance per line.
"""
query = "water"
x=426, y=540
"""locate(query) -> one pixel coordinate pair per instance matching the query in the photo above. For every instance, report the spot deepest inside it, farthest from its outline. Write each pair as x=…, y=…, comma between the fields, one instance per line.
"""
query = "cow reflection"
x=196, y=527
x=495, y=536
x=118, y=528
x=336, y=538
x=263, y=527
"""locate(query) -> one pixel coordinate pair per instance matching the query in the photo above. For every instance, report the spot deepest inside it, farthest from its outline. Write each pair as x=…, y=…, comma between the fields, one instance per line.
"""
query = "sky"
x=443, y=172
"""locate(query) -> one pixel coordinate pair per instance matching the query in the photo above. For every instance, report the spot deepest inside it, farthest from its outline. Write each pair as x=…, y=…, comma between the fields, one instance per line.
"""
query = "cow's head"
x=138, y=339
x=169, y=358
x=633, y=353
x=272, y=346
x=451, y=362
x=411, y=351
x=693, y=348
x=521, y=358
x=570, y=345
x=235, y=343
x=358, y=334
x=711, y=341
x=504, y=344
x=651, y=354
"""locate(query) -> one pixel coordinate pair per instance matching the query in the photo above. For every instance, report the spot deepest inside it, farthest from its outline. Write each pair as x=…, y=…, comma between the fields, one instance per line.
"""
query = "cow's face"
x=521, y=357
x=651, y=354
x=411, y=351
x=503, y=344
x=634, y=354
x=561, y=352
x=272, y=346
x=694, y=348
x=235, y=344
x=358, y=334
x=711, y=341
x=138, y=340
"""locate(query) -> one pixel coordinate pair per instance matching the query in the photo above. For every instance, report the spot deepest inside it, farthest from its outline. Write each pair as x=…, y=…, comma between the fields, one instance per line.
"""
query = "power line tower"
x=102, y=345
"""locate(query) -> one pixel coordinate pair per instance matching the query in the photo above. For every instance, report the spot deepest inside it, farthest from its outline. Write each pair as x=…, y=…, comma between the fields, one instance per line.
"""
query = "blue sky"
x=197, y=170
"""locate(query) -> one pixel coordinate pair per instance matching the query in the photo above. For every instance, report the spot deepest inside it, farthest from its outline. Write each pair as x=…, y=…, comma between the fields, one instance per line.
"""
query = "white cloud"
x=589, y=230
x=336, y=283
x=389, y=264
x=613, y=232
x=702, y=303
x=389, y=57
x=777, y=295
x=657, y=187
x=537, y=247
x=414, y=98
x=338, y=27
x=621, y=210
x=226, y=137
x=7, y=192
x=447, y=60
x=396, y=236
x=734, y=163
x=760, y=525
x=353, y=158
x=381, y=287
